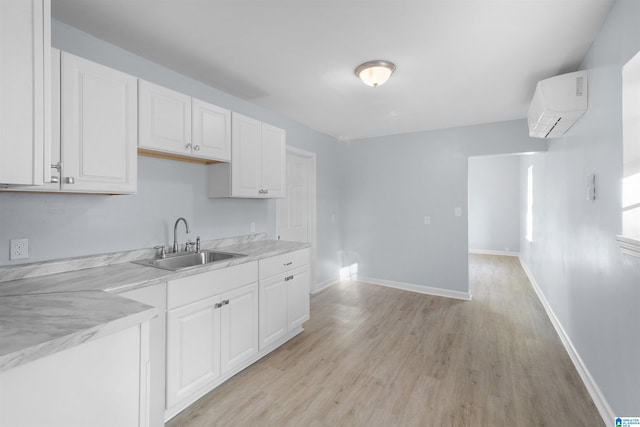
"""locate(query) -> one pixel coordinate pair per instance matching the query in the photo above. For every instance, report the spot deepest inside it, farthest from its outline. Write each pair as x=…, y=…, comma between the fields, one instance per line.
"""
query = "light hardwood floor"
x=374, y=356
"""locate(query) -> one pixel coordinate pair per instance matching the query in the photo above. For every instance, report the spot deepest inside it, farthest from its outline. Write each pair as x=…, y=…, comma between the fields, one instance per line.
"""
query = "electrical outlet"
x=19, y=249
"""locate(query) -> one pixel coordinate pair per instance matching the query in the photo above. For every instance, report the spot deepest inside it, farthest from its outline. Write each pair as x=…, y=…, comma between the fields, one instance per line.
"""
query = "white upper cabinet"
x=93, y=131
x=257, y=168
x=180, y=126
x=98, y=127
x=25, y=40
x=165, y=119
x=211, y=131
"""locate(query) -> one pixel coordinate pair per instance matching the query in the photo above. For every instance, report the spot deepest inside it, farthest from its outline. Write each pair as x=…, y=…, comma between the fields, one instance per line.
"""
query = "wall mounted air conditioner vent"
x=557, y=104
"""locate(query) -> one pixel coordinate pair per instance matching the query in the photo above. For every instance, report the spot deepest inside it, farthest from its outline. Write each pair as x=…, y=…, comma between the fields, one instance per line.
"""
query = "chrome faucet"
x=175, y=233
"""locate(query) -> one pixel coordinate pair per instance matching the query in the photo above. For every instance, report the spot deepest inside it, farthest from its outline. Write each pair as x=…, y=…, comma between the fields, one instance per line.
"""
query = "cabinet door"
x=246, y=156
x=165, y=119
x=273, y=310
x=155, y=296
x=239, y=341
x=24, y=79
x=211, y=127
x=193, y=349
x=99, y=127
x=273, y=161
x=298, y=284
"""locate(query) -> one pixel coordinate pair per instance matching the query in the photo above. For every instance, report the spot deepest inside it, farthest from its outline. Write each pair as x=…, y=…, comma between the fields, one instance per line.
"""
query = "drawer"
x=199, y=286
x=282, y=263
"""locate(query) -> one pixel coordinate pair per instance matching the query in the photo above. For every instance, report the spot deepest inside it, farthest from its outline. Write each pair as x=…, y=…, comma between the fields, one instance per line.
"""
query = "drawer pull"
x=217, y=305
x=286, y=279
x=225, y=302
x=288, y=263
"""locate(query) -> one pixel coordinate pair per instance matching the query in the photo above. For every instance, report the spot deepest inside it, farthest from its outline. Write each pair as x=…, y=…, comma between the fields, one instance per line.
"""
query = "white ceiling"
x=458, y=62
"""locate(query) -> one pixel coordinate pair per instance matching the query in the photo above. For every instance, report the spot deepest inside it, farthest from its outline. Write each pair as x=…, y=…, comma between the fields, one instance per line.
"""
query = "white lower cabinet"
x=239, y=326
x=212, y=331
x=298, y=288
x=273, y=310
x=156, y=296
x=284, y=295
x=102, y=382
x=193, y=349
x=221, y=321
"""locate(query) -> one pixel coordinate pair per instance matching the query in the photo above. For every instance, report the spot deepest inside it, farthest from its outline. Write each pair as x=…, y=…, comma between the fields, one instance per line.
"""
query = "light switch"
x=457, y=211
x=427, y=220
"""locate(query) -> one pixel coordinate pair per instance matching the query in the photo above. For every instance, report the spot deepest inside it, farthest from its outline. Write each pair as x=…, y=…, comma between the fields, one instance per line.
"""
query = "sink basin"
x=178, y=262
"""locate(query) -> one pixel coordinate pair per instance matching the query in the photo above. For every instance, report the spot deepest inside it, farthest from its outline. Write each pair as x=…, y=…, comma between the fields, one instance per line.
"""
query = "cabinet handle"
x=57, y=167
x=225, y=302
x=69, y=180
x=196, y=148
x=288, y=263
x=217, y=305
x=286, y=279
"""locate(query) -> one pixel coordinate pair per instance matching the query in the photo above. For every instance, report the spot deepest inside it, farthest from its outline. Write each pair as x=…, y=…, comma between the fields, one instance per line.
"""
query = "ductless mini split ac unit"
x=557, y=104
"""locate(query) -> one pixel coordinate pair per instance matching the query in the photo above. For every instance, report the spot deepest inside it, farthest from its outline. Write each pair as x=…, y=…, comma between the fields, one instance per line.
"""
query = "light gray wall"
x=391, y=183
x=73, y=225
x=494, y=203
x=593, y=289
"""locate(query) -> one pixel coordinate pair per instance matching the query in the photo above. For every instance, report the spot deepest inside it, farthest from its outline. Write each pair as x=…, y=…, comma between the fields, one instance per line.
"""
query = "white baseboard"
x=599, y=400
x=320, y=286
x=488, y=252
x=427, y=290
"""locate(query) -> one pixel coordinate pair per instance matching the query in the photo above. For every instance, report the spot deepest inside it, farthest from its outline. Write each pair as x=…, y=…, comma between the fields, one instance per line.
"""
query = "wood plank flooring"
x=374, y=356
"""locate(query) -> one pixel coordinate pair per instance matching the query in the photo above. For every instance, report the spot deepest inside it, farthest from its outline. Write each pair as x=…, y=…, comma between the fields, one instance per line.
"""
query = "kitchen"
x=62, y=226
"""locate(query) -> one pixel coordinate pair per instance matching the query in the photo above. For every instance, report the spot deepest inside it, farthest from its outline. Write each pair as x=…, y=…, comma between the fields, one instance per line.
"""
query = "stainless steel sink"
x=174, y=262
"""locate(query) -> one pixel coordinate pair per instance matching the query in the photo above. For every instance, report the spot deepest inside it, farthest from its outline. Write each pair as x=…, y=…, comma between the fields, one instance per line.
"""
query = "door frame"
x=311, y=220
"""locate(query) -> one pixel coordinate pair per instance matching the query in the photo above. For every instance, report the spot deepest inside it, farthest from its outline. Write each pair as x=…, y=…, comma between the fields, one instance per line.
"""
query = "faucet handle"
x=198, y=244
x=163, y=254
x=187, y=246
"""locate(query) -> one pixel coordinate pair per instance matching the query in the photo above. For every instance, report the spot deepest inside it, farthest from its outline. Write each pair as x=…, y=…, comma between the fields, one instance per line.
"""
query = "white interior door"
x=296, y=213
x=293, y=212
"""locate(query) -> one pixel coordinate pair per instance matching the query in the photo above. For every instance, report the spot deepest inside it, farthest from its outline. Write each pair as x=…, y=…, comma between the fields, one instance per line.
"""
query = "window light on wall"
x=630, y=239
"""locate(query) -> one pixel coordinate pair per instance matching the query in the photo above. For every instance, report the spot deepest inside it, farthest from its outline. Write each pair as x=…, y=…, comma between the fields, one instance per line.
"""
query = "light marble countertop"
x=34, y=326
x=45, y=309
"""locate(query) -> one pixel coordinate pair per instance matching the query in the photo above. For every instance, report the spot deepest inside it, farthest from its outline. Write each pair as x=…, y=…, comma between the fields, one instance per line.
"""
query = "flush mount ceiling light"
x=375, y=73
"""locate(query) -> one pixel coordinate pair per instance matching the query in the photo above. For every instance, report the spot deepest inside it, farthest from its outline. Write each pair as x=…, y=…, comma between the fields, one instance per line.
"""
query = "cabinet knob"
x=217, y=305
x=69, y=180
x=196, y=148
x=225, y=302
x=261, y=192
x=188, y=146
